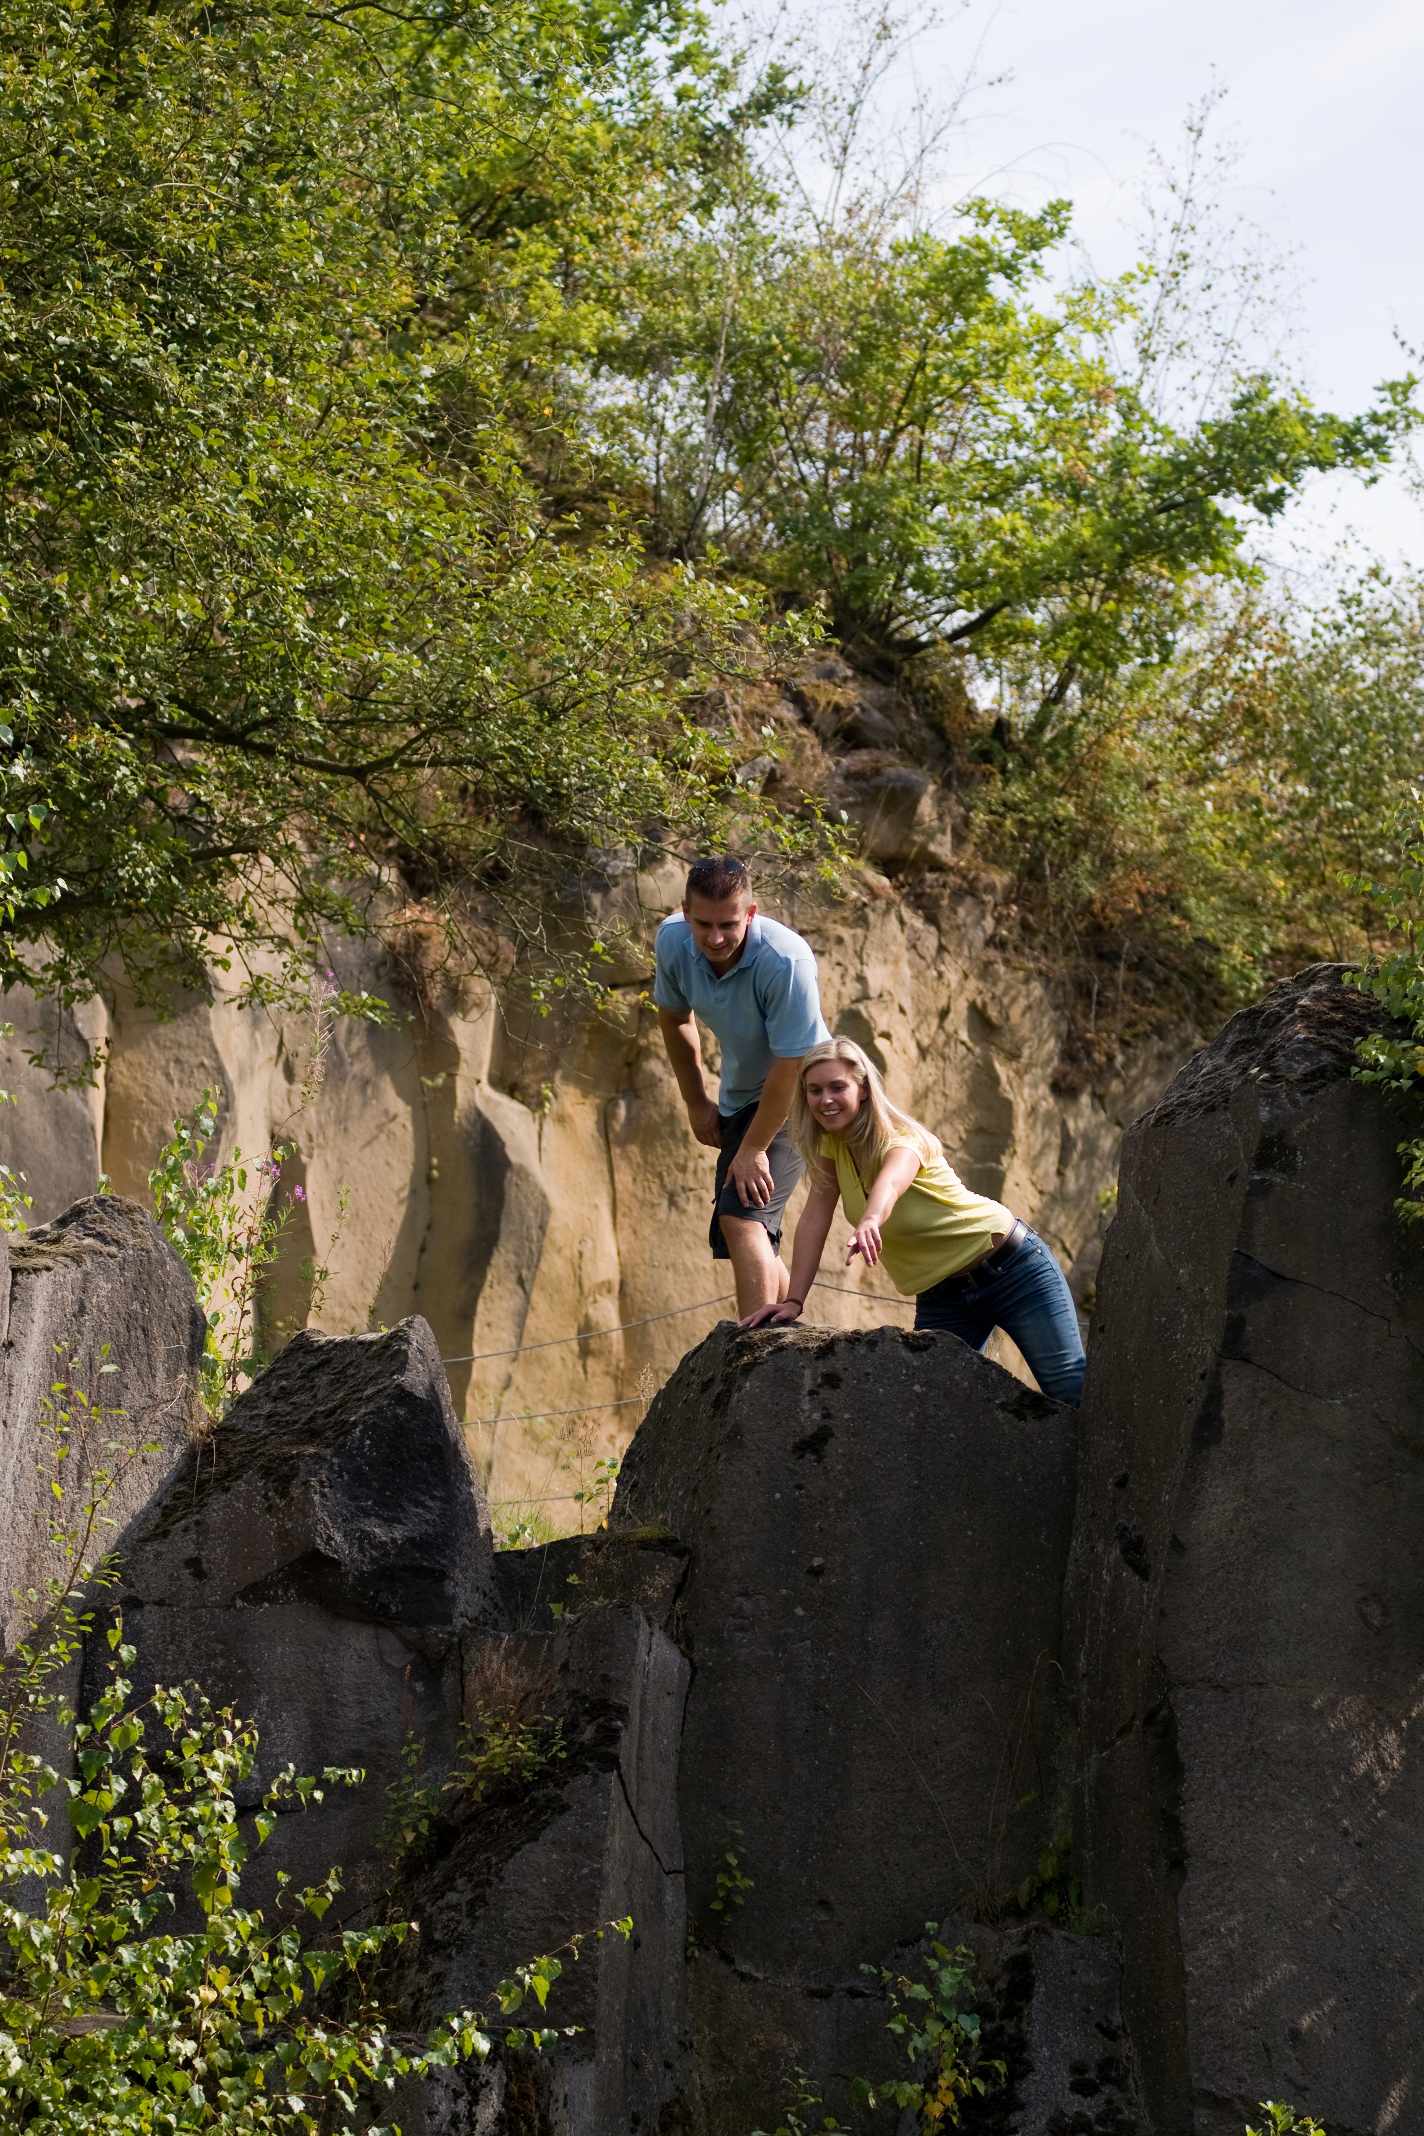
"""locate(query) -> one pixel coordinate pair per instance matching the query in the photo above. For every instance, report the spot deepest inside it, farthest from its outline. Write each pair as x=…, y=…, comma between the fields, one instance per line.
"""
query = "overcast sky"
x=1325, y=99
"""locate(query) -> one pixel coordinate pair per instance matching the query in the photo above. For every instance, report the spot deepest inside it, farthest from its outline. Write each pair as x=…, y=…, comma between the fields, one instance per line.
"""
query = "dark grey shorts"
x=786, y=1169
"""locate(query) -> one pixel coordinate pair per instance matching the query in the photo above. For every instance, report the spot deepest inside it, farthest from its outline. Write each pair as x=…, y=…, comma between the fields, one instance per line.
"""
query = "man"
x=753, y=982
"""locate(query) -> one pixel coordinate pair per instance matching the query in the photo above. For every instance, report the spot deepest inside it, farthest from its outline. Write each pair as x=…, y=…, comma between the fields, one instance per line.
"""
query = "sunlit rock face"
x=1248, y=1589
x=521, y=1182
x=100, y=1346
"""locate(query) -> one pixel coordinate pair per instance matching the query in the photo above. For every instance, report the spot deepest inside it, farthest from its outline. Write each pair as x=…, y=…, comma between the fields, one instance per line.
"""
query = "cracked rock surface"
x=878, y=1526
x=1247, y=1596
x=99, y=1302
x=317, y=1565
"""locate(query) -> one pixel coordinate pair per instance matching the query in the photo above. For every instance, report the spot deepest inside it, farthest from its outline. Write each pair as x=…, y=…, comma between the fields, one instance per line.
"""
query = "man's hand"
x=750, y=1173
x=706, y=1121
x=774, y=1316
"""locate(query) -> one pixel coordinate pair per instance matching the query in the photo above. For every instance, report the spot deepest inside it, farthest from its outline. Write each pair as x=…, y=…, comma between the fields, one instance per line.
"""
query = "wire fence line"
x=672, y=1312
x=548, y=1498
x=538, y=1416
x=627, y=1401
x=553, y=1342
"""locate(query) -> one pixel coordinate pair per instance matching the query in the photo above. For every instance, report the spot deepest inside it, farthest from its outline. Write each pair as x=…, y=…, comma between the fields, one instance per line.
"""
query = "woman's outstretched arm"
x=895, y=1174
x=812, y=1229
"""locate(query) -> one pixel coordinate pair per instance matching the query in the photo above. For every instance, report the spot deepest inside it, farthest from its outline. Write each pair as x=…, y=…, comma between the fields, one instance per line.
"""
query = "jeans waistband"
x=990, y=1262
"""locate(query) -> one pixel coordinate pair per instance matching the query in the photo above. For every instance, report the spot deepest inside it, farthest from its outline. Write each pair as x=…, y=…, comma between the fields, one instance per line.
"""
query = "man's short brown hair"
x=718, y=878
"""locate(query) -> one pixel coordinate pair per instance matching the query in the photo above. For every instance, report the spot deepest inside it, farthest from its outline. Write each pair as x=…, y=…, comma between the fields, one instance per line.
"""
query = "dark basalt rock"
x=1248, y=1583
x=593, y=1838
x=878, y=1526
x=316, y=1565
x=99, y=1302
x=811, y=1687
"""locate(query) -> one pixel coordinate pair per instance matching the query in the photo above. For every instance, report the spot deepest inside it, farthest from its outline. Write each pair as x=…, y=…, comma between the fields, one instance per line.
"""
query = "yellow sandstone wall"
x=517, y=1182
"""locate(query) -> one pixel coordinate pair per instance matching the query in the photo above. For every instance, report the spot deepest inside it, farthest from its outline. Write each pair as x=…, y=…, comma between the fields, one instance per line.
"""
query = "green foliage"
x=226, y=1223
x=498, y=1751
x=1052, y=1887
x=934, y=2016
x=115, y=2017
x=1285, y=2121
x=15, y=1199
x=409, y=414
x=915, y=427
x=805, y=2112
x=731, y=1883
x=286, y=610
x=1394, y=1059
x=1212, y=820
x=597, y=1489
x=521, y=1526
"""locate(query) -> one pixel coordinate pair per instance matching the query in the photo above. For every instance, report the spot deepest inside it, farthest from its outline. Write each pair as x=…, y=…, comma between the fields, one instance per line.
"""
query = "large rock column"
x=97, y=1320
x=1248, y=1584
x=878, y=1527
x=316, y=1565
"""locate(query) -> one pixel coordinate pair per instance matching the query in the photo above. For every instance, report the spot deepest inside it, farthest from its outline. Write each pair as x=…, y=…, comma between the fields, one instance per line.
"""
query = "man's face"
x=719, y=926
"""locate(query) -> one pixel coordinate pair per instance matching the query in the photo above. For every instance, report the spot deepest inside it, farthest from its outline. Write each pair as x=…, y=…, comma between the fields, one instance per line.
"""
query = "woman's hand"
x=865, y=1240
x=784, y=1315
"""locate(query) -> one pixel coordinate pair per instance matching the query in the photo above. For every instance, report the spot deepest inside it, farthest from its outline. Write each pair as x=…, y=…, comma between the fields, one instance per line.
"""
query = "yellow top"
x=936, y=1228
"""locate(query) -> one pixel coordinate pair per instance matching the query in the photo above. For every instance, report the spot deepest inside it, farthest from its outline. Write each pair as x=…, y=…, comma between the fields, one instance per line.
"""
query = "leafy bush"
x=140, y=1996
x=1220, y=819
x=1394, y=1059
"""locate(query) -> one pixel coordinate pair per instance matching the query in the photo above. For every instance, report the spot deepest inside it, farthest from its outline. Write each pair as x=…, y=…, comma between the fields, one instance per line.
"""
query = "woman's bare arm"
x=895, y=1174
x=812, y=1230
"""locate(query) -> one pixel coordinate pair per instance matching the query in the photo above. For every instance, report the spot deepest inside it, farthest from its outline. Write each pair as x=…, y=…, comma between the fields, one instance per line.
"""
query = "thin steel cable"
x=849, y=1290
x=553, y=1342
x=537, y=1416
x=550, y=1498
x=673, y=1312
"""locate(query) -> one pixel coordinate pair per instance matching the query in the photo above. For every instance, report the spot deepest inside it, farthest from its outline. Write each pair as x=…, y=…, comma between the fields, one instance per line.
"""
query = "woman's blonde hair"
x=877, y=1124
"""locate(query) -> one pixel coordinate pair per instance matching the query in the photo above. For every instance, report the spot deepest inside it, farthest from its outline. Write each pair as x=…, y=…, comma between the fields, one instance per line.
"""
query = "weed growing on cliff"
x=799, y=2115
x=521, y=1526
x=597, y=1490
x=15, y=1201
x=935, y=2018
x=494, y=1753
x=226, y=1224
x=497, y=1751
x=731, y=1884
x=933, y=2015
x=1285, y=2121
x=1394, y=1060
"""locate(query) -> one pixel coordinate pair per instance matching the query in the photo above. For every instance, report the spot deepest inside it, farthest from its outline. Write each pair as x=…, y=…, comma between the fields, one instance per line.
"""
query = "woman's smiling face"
x=833, y=1094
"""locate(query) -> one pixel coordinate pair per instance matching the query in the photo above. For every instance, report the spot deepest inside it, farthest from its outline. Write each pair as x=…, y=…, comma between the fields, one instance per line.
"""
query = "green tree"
x=1206, y=822
x=916, y=426
x=285, y=621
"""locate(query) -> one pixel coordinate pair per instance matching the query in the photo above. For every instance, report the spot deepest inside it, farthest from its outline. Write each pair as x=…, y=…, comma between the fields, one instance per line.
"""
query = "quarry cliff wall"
x=518, y=1180
x=1126, y=1699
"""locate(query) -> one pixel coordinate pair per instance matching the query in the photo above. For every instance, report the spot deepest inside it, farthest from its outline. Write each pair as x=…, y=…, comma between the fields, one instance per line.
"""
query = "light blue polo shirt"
x=766, y=1008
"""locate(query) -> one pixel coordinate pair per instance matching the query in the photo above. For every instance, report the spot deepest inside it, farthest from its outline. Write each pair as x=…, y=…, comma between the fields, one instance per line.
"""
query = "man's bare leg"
x=760, y=1274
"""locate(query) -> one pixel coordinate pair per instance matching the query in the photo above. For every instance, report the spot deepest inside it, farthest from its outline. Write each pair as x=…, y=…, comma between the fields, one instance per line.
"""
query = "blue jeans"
x=1022, y=1290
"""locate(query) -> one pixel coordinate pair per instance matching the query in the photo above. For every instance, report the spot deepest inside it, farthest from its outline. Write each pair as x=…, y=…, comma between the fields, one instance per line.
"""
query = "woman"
x=968, y=1262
